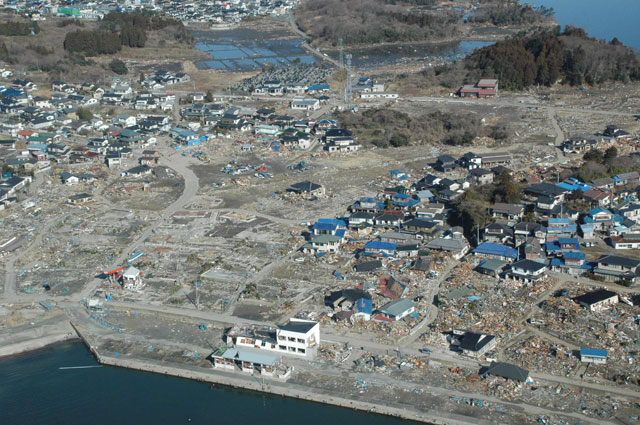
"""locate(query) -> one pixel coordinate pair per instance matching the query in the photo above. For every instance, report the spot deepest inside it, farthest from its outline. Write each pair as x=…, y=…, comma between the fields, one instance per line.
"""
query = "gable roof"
x=616, y=260
x=447, y=244
x=305, y=186
x=508, y=371
x=489, y=248
x=528, y=265
x=594, y=297
x=368, y=266
x=397, y=307
x=474, y=342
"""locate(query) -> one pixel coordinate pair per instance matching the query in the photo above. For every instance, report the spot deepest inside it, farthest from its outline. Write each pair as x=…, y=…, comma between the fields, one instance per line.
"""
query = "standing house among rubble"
x=593, y=355
x=527, y=270
x=306, y=187
x=132, y=278
x=457, y=247
x=297, y=337
x=249, y=361
x=597, y=300
x=492, y=267
x=473, y=344
x=395, y=310
x=363, y=309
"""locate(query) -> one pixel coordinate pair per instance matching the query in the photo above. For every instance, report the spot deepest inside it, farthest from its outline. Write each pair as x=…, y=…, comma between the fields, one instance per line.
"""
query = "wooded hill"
x=549, y=57
x=360, y=22
x=121, y=29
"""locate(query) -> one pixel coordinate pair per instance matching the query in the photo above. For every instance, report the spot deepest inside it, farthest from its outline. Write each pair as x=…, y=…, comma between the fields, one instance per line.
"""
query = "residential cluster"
x=227, y=12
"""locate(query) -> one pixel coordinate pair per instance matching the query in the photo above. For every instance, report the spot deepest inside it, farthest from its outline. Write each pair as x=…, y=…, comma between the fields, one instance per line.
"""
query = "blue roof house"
x=496, y=250
x=363, y=309
x=386, y=249
x=593, y=355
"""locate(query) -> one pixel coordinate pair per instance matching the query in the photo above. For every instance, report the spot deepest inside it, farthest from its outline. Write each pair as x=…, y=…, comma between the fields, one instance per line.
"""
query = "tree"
x=209, y=96
x=471, y=214
x=118, y=67
x=611, y=153
x=507, y=188
x=593, y=155
x=84, y=114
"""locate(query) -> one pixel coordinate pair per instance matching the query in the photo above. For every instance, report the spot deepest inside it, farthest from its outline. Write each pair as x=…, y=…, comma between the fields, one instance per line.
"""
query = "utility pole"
x=348, y=89
x=197, y=297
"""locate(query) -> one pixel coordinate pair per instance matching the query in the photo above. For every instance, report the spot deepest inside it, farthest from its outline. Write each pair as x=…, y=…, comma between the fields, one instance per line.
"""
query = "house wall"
x=593, y=359
x=602, y=305
x=296, y=343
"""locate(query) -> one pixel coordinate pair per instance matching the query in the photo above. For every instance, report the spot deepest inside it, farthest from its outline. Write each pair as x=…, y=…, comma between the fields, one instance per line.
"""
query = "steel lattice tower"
x=348, y=89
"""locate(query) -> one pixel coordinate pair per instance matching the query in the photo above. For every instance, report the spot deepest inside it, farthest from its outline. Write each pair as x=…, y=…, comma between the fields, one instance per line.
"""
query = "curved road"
x=179, y=164
x=295, y=28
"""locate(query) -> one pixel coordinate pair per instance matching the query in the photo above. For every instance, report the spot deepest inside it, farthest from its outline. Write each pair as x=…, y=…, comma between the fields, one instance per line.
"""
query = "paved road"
x=329, y=335
x=191, y=185
x=432, y=312
x=295, y=28
x=10, y=294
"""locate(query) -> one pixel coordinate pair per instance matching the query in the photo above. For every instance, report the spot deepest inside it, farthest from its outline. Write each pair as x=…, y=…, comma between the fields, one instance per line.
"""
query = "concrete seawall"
x=249, y=382
x=31, y=338
x=282, y=389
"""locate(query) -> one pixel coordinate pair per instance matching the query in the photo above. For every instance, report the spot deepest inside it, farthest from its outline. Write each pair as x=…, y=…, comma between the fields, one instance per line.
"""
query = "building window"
x=301, y=350
x=301, y=341
x=282, y=347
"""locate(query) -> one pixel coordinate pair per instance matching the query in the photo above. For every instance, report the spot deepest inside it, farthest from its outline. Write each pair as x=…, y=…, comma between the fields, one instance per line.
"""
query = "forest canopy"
x=121, y=29
x=549, y=57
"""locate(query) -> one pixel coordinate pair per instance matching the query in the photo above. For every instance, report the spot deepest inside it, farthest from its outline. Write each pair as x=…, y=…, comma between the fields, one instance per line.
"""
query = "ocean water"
x=604, y=19
x=33, y=391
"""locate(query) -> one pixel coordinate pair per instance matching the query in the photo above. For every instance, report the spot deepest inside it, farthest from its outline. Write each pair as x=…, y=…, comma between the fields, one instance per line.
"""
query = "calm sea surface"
x=33, y=390
x=601, y=18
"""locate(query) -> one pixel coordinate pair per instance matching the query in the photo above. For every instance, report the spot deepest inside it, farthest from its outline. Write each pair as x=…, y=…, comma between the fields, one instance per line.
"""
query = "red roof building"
x=483, y=88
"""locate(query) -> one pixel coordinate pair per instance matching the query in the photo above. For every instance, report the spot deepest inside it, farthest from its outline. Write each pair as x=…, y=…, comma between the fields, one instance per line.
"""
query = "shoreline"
x=251, y=383
x=36, y=337
x=234, y=380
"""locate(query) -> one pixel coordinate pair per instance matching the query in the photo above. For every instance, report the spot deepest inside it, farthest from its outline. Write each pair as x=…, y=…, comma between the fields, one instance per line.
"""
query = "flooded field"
x=243, y=49
x=404, y=53
x=246, y=49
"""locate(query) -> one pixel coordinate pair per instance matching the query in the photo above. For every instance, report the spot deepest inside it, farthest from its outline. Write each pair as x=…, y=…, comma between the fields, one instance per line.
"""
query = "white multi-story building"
x=297, y=337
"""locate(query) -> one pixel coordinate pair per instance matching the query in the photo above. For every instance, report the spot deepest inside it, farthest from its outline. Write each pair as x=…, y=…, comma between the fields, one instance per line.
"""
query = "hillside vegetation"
x=372, y=21
x=120, y=29
x=390, y=128
x=551, y=56
x=360, y=22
